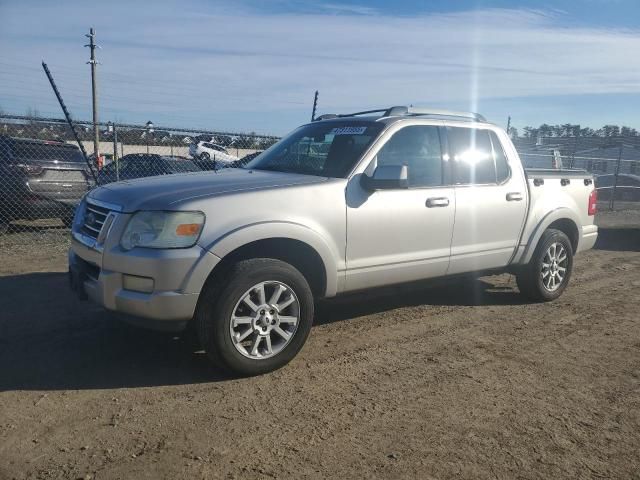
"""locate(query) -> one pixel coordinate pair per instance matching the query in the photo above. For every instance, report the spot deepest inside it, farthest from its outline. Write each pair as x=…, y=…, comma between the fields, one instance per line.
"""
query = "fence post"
x=575, y=149
x=615, y=178
x=116, y=157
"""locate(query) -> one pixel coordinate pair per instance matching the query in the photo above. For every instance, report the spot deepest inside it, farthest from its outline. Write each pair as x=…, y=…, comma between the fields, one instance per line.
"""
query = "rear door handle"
x=514, y=197
x=437, y=202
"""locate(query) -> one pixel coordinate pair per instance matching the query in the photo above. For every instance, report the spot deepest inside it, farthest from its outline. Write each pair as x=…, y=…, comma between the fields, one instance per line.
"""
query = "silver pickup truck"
x=345, y=203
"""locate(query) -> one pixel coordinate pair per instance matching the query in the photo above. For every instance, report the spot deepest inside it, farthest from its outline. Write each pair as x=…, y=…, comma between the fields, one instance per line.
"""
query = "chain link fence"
x=43, y=173
x=614, y=162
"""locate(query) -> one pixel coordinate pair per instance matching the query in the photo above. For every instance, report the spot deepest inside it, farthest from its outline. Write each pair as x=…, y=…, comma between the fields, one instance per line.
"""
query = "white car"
x=210, y=151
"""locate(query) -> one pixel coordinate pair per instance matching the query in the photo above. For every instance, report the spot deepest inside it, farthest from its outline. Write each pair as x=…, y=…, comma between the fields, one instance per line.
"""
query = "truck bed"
x=557, y=173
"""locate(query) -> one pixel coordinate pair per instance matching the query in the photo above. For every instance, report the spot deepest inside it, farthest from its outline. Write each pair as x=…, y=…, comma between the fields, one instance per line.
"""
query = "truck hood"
x=167, y=191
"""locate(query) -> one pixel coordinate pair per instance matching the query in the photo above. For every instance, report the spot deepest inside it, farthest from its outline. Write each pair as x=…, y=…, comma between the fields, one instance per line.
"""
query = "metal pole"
x=67, y=115
x=315, y=104
x=615, y=178
x=115, y=152
x=575, y=149
x=94, y=92
x=509, y=125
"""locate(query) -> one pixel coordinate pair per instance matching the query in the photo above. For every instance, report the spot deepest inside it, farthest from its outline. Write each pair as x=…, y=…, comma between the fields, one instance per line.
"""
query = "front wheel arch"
x=298, y=254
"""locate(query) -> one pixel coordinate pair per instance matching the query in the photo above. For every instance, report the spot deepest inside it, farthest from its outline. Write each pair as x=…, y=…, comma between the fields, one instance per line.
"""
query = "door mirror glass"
x=387, y=177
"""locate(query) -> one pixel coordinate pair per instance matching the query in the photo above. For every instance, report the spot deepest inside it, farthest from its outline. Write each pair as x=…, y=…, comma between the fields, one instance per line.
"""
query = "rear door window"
x=472, y=155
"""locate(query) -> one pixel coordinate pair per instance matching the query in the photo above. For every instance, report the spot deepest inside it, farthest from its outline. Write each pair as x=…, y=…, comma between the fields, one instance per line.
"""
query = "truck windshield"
x=327, y=149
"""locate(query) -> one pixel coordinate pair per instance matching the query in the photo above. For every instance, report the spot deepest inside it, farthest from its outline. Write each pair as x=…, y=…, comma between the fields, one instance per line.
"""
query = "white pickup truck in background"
x=345, y=203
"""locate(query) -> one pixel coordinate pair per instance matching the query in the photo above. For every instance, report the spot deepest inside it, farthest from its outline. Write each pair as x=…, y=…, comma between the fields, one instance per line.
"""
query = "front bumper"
x=98, y=272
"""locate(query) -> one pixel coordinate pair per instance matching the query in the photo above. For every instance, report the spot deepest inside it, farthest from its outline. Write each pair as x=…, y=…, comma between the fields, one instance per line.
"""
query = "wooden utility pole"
x=94, y=93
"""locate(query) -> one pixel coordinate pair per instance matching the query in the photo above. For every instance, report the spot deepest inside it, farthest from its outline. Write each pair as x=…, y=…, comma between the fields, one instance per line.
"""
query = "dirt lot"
x=467, y=381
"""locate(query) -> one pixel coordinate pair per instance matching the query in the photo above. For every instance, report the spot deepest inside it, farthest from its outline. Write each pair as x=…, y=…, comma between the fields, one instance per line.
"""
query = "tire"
x=233, y=344
x=205, y=157
x=542, y=280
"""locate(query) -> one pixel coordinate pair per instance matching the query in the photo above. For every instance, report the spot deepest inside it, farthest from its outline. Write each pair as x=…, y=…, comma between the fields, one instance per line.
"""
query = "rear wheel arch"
x=569, y=228
x=561, y=219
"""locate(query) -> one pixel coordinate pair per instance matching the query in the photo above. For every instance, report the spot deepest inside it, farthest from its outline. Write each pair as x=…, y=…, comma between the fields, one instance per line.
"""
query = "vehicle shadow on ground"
x=50, y=340
x=618, y=239
x=460, y=291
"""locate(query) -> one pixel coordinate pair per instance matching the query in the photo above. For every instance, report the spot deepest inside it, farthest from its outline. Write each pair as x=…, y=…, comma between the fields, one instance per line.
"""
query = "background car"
x=210, y=165
x=627, y=187
x=207, y=151
x=138, y=165
x=244, y=160
x=40, y=179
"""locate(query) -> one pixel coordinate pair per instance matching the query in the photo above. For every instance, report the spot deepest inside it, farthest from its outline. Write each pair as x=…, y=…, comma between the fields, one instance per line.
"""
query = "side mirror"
x=387, y=177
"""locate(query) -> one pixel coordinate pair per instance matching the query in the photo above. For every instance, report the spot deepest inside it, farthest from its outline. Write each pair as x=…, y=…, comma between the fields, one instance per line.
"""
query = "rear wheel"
x=549, y=270
x=258, y=319
x=205, y=156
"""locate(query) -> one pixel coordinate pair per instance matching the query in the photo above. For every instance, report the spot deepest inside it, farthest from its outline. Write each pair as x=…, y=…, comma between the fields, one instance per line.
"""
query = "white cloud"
x=348, y=9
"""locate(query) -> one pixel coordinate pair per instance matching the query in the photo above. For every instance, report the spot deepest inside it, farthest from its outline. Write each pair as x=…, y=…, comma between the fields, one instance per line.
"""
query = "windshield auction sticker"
x=348, y=131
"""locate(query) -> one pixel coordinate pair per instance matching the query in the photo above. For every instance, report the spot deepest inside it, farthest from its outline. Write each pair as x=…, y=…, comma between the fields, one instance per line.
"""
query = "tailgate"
x=63, y=185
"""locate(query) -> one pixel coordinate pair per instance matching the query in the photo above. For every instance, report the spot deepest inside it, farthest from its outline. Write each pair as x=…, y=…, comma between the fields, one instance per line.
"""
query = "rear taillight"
x=593, y=201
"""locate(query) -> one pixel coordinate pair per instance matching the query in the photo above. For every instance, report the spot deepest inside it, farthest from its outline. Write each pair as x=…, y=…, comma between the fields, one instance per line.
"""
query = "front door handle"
x=437, y=202
x=514, y=197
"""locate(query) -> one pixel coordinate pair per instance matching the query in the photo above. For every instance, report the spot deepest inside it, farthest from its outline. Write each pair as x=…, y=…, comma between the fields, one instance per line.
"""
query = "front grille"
x=94, y=218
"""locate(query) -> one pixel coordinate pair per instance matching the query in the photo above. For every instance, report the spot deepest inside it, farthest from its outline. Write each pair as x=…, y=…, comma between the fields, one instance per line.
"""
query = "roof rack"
x=328, y=116
x=402, y=110
x=408, y=111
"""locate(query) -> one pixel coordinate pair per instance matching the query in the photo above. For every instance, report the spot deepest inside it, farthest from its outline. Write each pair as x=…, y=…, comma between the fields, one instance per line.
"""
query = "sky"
x=250, y=65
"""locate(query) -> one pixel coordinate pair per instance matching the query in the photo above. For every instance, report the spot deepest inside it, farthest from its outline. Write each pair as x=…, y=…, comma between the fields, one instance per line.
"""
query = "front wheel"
x=258, y=319
x=547, y=274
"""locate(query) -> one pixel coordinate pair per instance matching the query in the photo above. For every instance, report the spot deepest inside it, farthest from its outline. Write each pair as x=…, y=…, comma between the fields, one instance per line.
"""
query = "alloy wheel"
x=554, y=266
x=264, y=320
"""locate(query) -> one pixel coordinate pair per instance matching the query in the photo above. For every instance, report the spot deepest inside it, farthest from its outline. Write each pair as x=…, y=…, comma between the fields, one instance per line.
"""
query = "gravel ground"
x=466, y=380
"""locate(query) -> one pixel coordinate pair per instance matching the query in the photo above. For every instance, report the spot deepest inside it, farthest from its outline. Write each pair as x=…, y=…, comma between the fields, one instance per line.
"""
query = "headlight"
x=162, y=230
